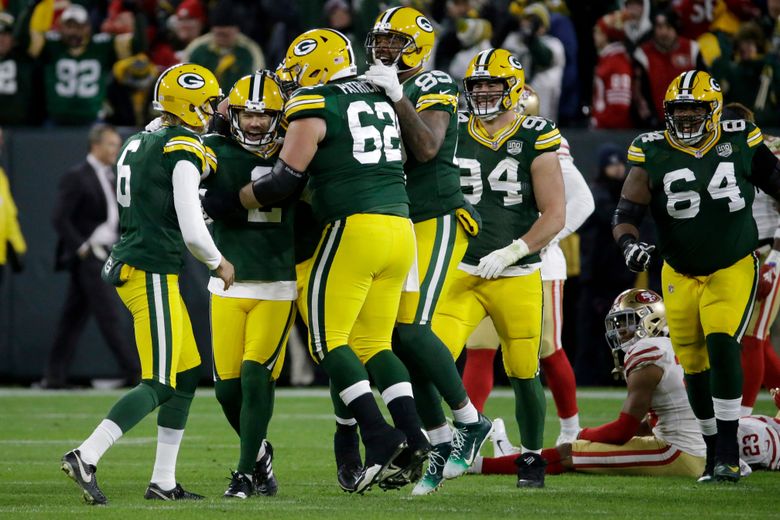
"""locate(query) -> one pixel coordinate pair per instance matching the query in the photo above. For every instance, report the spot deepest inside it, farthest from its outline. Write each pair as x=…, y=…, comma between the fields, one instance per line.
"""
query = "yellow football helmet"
x=635, y=314
x=188, y=91
x=692, y=89
x=408, y=33
x=493, y=65
x=260, y=93
x=319, y=56
x=528, y=105
x=285, y=80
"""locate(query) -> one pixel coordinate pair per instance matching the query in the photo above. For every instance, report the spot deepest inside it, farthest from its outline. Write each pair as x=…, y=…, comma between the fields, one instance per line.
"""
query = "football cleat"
x=155, y=492
x=84, y=475
x=263, y=476
x=467, y=440
x=348, y=474
x=501, y=444
x=241, y=486
x=726, y=472
x=530, y=470
x=409, y=463
x=434, y=475
x=381, y=455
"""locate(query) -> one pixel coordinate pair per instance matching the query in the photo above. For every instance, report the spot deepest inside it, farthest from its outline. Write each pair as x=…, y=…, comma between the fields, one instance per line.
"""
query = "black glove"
x=637, y=254
x=15, y=260
x=221, y=205
x=219, y=125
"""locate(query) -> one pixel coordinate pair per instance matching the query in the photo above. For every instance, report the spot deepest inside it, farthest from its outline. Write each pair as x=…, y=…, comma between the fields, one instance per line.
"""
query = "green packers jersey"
x=496, y=180
x=75, y=86
x=150, y=236
x=434, y=186
x=307, y=230
x=261, y=245
x=16, y=88
x=701, y=197
x=357, y=167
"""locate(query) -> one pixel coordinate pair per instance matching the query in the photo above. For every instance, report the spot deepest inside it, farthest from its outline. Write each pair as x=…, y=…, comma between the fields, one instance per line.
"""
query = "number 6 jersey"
x=496, y=180
x=357, y=167
x=701, y=197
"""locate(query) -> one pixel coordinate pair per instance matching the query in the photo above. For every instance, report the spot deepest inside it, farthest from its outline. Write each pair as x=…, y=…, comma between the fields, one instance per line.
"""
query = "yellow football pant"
x=441, y=244
x=697, y=306
x=639, y=456
x=302, y=283
x=486, y=337
x=163, y=332
x=245, y=329
x=355, y=283
x=513, y=303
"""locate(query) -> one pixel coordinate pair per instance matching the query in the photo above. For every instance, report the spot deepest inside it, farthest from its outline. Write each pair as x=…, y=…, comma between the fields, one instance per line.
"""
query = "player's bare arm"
x=628, y=216
x=550, y=197
x=423, y=132
x=300, y=145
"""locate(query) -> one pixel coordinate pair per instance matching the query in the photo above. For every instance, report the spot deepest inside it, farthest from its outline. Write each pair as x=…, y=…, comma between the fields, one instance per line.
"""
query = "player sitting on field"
x=656, y=433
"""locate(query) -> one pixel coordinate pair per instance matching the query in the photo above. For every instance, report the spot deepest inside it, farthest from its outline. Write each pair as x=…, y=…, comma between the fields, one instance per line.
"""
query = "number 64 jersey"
x=701, y=197
x=759, y=441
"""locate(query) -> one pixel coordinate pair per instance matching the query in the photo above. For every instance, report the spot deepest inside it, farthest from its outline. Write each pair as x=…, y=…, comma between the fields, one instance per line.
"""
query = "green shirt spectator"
x=16, y=77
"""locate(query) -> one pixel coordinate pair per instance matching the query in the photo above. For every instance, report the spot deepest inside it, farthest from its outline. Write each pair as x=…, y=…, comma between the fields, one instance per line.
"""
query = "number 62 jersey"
x=701, y=197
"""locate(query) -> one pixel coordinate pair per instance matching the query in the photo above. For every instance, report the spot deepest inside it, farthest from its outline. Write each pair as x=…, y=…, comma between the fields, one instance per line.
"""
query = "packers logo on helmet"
x=319, y=56
x=692, y=106
x=635, y=314
x=258, y=93
x=189, y=92
x=401, y=36
x=493, y=66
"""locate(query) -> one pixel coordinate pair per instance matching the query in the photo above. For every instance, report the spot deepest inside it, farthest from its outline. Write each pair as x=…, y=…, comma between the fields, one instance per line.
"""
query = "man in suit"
x=86, y=219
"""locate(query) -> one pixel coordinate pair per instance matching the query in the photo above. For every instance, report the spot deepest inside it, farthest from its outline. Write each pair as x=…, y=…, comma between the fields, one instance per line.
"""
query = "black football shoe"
x=263, y=476
x=155, y=492
x=84, y=475
x=530, y=470
x=241, y=486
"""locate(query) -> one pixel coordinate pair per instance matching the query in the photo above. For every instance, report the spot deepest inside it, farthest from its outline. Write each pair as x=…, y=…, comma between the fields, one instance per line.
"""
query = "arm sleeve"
x=186, y=179
x=617, y=432
x=579, y=199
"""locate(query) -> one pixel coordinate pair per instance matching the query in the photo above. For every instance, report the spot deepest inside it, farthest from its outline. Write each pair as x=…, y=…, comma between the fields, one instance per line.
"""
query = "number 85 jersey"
x=701, y=197
x=495, y=176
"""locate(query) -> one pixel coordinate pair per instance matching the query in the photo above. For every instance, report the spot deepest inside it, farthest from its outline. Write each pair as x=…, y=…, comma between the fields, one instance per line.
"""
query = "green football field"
x=37, y=427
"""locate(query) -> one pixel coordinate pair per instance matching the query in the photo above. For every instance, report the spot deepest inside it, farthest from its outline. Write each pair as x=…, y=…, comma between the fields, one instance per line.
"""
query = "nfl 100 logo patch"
x=723, y=149
x=514, y=147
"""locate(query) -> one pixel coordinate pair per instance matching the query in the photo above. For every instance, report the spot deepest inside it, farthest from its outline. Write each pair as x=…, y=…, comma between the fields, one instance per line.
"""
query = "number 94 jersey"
x=495, y=176
x=759, y=441
x=701, y=197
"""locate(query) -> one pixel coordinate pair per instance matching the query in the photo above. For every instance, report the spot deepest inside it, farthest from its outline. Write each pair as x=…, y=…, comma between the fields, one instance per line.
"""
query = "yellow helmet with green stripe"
x=493, y=65
x=189, y=92
x=402, y=36
x=690, y=92
x=319, y=56
x=259, y=93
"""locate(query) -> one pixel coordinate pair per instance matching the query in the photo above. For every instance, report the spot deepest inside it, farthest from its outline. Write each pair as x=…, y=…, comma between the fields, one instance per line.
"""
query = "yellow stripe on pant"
x=639, y=456
x=513, y=303
x=355, y=283
x=245, y=329
x=163, y=332
x=697, y=306
x=441, y=244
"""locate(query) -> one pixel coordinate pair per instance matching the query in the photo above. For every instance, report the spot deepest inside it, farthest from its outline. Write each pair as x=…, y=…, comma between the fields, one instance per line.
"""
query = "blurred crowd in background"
x=601, y=63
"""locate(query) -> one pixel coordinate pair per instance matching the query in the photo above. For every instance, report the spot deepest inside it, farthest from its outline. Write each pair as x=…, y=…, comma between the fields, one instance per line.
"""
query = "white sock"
x=168, y=442
x=440, y=435
x=104, y=436
x=523, y=449
x=745, y=410
x=477, y=466
x=467, y=414
x=727, y=409
x=708, y=426
x=570, y=423
x=261, y=451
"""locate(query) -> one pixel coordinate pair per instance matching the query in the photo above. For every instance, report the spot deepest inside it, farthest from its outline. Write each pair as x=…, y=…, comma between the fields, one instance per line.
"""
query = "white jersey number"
x=77, y=78
x=362, y=135
x=502, y=178
x=684, y=204
x=123, y=175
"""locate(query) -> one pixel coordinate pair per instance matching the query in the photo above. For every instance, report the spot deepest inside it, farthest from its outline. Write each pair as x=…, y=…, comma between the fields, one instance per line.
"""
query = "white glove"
x=206, y=218
x=154, y=125
x=386, y=78
x=491, y=266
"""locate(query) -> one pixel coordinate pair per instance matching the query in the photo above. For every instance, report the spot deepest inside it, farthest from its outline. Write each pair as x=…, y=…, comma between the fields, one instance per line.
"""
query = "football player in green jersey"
x=399, y=45
x=250, y=321
x=512, y=176
x=159, y=214
x=699, y=178
x=343, y=132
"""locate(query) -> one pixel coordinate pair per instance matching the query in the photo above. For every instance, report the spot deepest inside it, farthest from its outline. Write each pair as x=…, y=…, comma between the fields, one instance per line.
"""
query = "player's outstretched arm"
x=628, y=217
x=765, y=171
x=641, y=384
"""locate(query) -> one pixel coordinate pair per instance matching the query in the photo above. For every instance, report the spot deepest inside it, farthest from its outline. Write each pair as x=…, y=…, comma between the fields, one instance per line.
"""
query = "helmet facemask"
x=257, y=135
x=488, y=103
x=694, y=124
x=389, y=47
x=205, y=112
